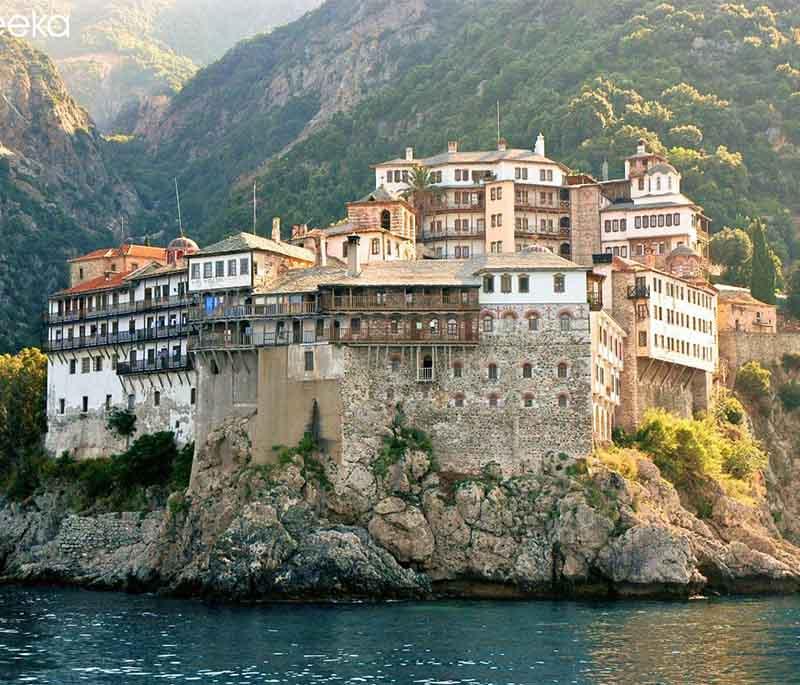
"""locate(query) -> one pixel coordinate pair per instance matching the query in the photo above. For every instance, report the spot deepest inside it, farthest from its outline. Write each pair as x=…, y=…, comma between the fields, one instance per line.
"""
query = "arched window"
x=509, y=321
x=565, y=250
x=527, y=400
x=527, y=370
x=386, y=219
x=493, y=401
x=433, y=325
x=566, y=322
x=395, y=362
x=458, y=369
x=562, y=370
x=452, y=328
x=533, y=322
x=488, y=324
x=558, y=283
x=458, y=400
x=564, y=222
x=492, y=372
x=563, y=401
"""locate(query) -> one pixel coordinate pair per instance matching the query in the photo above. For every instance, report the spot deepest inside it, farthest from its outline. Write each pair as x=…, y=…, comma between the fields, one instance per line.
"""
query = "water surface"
x=65, y=636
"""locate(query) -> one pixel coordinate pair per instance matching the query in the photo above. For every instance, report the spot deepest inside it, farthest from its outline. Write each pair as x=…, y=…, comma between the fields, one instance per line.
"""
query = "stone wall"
x=585, y=222
x=739, y=347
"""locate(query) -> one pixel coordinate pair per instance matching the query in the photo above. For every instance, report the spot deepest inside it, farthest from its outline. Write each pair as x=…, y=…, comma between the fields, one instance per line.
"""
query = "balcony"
x=241, y=341
x=425, y=375
x=125, y=337
x=159, y=365
x=253, y=311
x=523, y=205
x=440, y=207
x=401, y=302
x=638, y=292
x=449, y=232
x=87, y=313
x=595, y=301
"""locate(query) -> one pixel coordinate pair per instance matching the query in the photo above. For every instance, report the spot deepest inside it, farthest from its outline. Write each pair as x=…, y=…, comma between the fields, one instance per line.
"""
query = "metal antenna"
x=498, y=121
x=178, y=198
x=255, y=215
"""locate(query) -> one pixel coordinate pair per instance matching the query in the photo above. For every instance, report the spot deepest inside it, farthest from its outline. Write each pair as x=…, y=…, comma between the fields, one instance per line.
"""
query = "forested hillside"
x=716, y=85
x=58, y=196
x=120, y=52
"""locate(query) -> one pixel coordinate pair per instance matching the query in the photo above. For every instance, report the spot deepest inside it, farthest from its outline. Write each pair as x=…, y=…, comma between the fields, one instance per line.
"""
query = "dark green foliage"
x=763, y=273
x=311, y=468
x=399, y=441
x=122, y=422
x=790, y=395
x=791, y=362
x=732, y=249
x=729, y=409
x=148, y=461
x=793, y=291
x=182, y=467
x=753, y=381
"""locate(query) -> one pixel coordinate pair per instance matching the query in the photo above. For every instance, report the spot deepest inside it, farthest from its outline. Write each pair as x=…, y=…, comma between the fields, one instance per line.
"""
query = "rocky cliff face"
x=298, y=530
x=58, y=195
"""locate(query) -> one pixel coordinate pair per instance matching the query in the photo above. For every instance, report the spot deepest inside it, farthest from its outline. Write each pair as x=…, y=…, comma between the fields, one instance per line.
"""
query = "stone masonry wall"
x=468, y=437
x=737, y=348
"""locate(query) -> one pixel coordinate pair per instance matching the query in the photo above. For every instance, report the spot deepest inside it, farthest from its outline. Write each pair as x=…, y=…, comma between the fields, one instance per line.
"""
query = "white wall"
x=201, y=283
x=541, y=289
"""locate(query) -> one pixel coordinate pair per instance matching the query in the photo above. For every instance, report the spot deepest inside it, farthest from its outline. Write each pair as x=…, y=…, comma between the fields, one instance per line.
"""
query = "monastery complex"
x=517, y=311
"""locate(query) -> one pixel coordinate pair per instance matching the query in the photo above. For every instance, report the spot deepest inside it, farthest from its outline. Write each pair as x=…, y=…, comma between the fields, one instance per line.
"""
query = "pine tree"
x=762, y=280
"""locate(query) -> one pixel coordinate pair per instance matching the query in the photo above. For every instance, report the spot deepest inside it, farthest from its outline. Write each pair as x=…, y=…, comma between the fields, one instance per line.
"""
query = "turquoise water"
x=71, y=636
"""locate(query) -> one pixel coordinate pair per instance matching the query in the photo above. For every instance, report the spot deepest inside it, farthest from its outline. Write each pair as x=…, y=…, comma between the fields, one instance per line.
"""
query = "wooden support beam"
x=666, y=375
x=690, y=379
x=647, y=369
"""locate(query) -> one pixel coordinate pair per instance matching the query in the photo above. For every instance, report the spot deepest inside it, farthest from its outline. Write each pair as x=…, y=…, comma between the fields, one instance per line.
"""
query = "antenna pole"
x=255, y=214
x=178, y=198
x=498, y=121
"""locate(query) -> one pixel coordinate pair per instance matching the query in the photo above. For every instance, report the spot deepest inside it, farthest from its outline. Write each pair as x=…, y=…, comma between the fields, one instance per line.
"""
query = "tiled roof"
x=380, y=195
x=242, y=242
x=155, y=270
x=420, y=272
x=662, y=168
x=731, y=294
x=490, y=157
x=142, y=251
x=115, y=280
x=680, y=201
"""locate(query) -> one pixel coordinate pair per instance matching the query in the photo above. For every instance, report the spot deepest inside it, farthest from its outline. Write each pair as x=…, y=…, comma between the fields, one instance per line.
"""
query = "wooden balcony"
x=401, y=302
x=253, y=311
x=121, y=338
x=158, y=365
x=87, y=313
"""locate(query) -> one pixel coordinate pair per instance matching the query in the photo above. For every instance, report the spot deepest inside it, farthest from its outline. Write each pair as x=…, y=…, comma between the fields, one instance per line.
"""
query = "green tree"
x=793, y=291
x=421, y=190
x=732, y=249
x=763, y=275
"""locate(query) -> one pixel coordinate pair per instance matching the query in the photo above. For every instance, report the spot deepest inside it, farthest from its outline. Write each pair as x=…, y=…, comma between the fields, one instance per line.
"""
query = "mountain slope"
x=58, y=195
x=716, y=85
x=120, y=52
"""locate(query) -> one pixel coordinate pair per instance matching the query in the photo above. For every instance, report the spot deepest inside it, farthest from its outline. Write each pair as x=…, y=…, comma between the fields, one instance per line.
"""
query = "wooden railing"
x=85, y=313
x=160, y=364
x=140, y=335
x=253, y=311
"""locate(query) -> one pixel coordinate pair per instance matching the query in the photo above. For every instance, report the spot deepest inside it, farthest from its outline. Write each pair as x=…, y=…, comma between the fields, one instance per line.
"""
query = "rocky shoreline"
x=245, y=532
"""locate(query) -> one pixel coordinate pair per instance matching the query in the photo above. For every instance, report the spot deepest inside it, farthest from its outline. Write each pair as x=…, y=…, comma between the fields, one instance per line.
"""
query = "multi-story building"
x=498, y=201
x=608, y=340
x=740, y=311
x=670, y=321
x=650, y=215
x=118, y=340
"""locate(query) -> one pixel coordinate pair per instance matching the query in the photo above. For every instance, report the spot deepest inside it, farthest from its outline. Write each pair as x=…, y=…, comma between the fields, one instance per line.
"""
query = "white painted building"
x=608, y=338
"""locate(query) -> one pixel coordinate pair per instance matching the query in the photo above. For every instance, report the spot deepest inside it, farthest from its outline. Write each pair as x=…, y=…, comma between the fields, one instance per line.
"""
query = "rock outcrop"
x=246, y=532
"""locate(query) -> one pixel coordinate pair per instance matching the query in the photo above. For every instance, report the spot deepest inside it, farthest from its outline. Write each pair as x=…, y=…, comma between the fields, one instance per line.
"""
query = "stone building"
x=119, y=340
x=740, y=311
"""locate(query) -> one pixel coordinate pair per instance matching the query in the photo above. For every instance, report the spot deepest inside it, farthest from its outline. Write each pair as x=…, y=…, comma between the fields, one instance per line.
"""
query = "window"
x=615, y=225
x=542, y=175
x=157, y=398
x=524, y=284
x=527, y=371
x=562, y=401
x=488, y=284
x=641, y=184
x=505, y=283
x=637, y=222
x=219, y=269
x=452, y=328
x=208, y=270
x=62, y=406
x=193, y=396
x=527, y=400
x=376, y=246
x=73, y=366
x=355, y=325
x=492, y=372
x=676, y=219
x=533, y=322
x=85, y=404
x=607, y=225
x=558, y=283
x=458, y=370
x=195, y=272
x=562, y=370
x=488, y=324
x=458, y=401
x=493, y=402
x=566, y=322
x=623, y=225
x=86, y=363
x=309, y=360
x=98, y=363
x=642, y=338
x=231, y=267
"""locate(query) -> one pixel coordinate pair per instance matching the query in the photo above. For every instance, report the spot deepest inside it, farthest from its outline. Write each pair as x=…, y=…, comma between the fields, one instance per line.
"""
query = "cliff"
x=399, y=528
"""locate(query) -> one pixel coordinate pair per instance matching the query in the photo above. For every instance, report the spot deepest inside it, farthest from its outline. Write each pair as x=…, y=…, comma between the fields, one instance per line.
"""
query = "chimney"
x=502, y=145
x=452, y=146
x=641, y=148
x=409, y=154
x=353, y=258
x=322, y=251
x=538, y=149
x=276, y=229
x=605, y=170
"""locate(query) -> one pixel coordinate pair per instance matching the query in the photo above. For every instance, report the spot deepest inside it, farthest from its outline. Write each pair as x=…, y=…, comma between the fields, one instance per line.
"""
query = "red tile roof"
x=114, y=280
x=143, y=251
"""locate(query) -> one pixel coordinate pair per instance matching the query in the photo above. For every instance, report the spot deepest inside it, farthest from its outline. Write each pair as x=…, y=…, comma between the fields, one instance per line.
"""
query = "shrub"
x=791, y=362
x=753, y=380
x=729, y=409
x=182, y=467
x=790, y=395
x=148, y=461
x=121, y=422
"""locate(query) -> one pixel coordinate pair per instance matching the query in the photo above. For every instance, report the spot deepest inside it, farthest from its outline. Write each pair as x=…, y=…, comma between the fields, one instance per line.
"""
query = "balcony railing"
x=530, y=204
x=425, y=375
x=242, y=341
x=158, y=365
x=595, y=301
x=141, y=335
x=638, y=292
x=117, y=309
x=451, y=232
x=400, y=302
x=253, y=311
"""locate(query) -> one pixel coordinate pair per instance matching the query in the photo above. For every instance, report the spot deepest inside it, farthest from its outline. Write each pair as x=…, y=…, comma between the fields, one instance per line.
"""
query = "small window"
x=505, y=283
x=458, y=401
x=452, y=328
x=376, y=246
x=458, y=370
x=488, y=284
x=85, y=404
x=524, y=284
x=566, y=322
x=527, y=401
x=562, y=370
x=386, y=221
x=131, y=402
x=533, y=322
x=219, y=269
x=157, y=398
x=98, y=363
x=562, y=401
x=231, y=267
x=558, y=283
x=488, y=324
x=355, y=325
x=309, y=360
x=86, y=365
x=62, y=406
x=108, y=402
x=193, y=396
x=73, y=367
x=527, y=371
x=492, y=372
x=195, y=272
x=395, y=363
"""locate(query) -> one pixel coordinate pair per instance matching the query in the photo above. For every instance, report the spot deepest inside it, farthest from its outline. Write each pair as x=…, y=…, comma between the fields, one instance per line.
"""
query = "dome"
x=662, y=168
x=183, y=243
x=683, y=251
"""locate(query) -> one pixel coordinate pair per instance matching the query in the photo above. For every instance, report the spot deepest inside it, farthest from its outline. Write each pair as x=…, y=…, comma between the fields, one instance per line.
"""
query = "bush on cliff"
x=753, y=381
x=790, y=395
